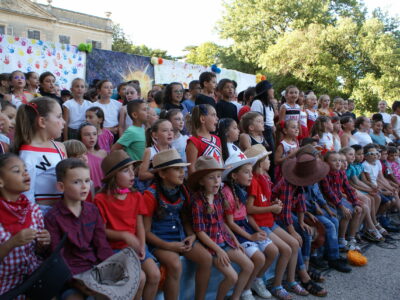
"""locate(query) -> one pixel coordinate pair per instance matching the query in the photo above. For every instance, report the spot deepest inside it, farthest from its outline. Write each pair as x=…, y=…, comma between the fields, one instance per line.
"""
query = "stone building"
x=25, y=18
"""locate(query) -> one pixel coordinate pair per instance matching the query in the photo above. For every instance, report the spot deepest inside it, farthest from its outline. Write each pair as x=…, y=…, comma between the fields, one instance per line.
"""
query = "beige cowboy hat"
x=258, y=151
x=203, y=166
x=306, y=168
x=115, y=161
x=167, y=159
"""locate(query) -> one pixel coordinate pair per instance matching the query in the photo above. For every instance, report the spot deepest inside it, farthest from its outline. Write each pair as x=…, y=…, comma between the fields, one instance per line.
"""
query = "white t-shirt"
x=258, y=106
x=386, y=117
x=111, y=112
x=362, y=138
x=77, y=112
x=372, y=170
x=180, y=145
x=327, y=141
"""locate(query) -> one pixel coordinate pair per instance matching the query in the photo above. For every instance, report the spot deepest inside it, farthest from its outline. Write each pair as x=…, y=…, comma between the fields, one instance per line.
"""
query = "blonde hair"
x=321, y=98
x=248, y=119
x=345, y=150
x=75, y=148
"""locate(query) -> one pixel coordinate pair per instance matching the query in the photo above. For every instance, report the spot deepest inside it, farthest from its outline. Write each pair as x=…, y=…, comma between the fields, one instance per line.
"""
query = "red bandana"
x=15, y=216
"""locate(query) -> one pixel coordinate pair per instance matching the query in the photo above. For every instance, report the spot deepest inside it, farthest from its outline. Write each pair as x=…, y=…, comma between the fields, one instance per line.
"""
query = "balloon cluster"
x=156, y=61
x=260, y=77
x=85, y=47
x=215, y=69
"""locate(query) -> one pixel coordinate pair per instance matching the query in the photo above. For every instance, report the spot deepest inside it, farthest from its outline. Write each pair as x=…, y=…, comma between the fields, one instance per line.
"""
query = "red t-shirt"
x=260, y=188
x=207, y=147
x=245, y=109
x=120, y=215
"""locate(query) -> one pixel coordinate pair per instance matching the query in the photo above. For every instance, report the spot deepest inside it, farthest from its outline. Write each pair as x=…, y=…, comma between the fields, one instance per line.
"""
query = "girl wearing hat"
x=167, y=225
x=257, y=246
x=202, y=142
x=208, y=223
x=122, y=209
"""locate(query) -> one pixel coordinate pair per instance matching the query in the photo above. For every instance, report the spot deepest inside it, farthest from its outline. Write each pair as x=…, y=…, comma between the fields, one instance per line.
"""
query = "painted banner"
x=65, y=61
x=170, y=71
x=120, y=67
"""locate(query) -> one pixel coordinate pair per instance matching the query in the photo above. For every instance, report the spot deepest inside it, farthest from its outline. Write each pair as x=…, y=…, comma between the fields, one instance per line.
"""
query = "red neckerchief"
x=15, y=216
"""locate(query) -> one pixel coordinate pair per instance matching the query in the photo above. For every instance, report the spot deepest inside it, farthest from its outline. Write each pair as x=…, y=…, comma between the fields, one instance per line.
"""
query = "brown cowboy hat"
x=203, y=166
x=167, y=159
x=115, y=161
x=258, y=151
x=306, y=168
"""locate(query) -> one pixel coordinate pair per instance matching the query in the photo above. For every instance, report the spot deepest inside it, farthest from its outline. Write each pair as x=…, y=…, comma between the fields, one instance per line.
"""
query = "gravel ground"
x=379, y=279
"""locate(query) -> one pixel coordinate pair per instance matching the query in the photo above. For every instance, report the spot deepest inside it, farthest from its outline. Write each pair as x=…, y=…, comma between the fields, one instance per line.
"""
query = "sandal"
x=316, y=275
x=314, y=289
x=280, y=293
x=296, y=288
x=381, y=229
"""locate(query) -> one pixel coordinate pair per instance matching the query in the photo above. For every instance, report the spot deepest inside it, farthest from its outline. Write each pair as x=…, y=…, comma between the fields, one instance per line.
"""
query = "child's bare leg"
x=142, y=282
x=152, y=272
x=354, y=224
x=375, y=202
x=258, y=260
x=294, y=246
x=271, y=252
x=285, y=254
x=173, y=265
x=203, y=260
x=246, y=268
x=230, y=279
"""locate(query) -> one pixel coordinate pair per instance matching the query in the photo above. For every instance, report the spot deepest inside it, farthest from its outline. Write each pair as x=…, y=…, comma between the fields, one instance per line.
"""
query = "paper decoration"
x=63, y=60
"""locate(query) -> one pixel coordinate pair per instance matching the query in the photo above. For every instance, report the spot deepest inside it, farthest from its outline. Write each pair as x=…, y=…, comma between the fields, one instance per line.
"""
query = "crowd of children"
x=193, y=173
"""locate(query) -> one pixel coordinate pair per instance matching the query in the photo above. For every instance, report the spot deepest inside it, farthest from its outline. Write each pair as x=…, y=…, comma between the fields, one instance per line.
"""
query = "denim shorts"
x=385, y=199
x=146, y=256
x=269, y=230
x=224, y=247
x=346, y=204
x=252, y=247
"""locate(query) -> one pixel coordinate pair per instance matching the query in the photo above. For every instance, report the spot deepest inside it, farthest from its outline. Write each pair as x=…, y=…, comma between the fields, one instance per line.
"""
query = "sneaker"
x=247, y=295
x=259, y=288
x=339, y=265
x=353, y=245
x=343, y=245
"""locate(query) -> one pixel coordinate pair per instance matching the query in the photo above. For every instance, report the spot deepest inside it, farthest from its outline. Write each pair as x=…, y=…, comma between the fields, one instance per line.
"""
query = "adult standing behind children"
x=133, y=141
x=208, y=82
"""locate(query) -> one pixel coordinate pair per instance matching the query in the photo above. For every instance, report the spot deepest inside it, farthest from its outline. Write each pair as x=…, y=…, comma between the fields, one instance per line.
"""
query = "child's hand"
x=25, y=236
x=357, y=210
x=142, y=252
x=177, y=247
x=132, y=241
x=297, y=237
x=223, y=258
x=43, y=238
x=188, y=241
x=318, y=211
x=276, y=209
x=258, y=236
x=305, y=227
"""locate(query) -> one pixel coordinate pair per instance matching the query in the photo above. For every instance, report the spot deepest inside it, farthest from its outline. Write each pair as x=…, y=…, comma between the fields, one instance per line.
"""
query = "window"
x=10, y=30
x=2, y=29
x=64, y=39
x=33, y=34
x=95, y=44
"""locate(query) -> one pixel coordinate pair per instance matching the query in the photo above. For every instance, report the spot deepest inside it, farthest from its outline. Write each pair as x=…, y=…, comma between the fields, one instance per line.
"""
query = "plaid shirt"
x=211, y=222
x=333, y=185
x=292, y=197
x=20, y=261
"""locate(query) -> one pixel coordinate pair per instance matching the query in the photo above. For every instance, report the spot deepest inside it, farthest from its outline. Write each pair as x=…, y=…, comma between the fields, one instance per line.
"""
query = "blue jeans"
x=331, y=225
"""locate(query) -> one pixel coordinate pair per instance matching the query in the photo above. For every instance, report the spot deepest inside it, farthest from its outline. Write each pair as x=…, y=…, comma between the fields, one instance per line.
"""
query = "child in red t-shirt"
x=121, y=209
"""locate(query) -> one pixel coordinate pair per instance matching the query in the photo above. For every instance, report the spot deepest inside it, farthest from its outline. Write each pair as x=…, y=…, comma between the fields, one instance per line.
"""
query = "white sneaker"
x=259, y=288
x=247, y=295
x=353, y=245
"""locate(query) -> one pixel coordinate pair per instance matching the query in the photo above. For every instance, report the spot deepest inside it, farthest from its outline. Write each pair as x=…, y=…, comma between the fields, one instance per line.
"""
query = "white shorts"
x=252, y=247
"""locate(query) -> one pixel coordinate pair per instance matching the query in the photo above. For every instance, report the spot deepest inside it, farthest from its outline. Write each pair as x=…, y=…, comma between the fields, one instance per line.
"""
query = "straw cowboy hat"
x=117, y=277
x=258, y=151
x=203, y=166
x=115, y=161
x=167, y=159
x=235, y=161
x=306, y=168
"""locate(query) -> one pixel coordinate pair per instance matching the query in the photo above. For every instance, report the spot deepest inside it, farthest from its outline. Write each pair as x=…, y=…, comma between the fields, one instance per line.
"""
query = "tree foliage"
x=327, y=46
x=122, y=43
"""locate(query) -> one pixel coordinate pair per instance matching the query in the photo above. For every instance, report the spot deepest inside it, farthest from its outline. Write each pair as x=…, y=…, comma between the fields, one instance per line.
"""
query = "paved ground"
x=379, y=279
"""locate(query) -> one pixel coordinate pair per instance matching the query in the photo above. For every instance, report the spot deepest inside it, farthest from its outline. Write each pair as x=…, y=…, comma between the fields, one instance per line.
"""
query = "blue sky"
x=172, y=24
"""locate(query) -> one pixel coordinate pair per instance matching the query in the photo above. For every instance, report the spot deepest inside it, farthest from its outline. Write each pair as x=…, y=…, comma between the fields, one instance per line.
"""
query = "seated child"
x=86, y=243
x=167, y=225
x=122, y=210
x=22, y=232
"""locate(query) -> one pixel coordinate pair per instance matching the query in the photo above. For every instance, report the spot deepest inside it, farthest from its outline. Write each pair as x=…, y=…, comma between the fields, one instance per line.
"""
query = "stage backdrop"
x=119, y=67
x=182, y=72
x=64, y=61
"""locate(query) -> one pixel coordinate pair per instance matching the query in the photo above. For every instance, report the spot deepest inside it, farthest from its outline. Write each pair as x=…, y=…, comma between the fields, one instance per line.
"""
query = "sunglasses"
x=372, y=153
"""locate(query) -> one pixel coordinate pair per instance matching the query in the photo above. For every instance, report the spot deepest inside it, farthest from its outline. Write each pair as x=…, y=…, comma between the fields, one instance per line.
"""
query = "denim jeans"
x=331, y=225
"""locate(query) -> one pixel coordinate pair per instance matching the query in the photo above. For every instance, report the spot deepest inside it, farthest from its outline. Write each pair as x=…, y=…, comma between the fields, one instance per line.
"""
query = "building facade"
x=25, y=18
